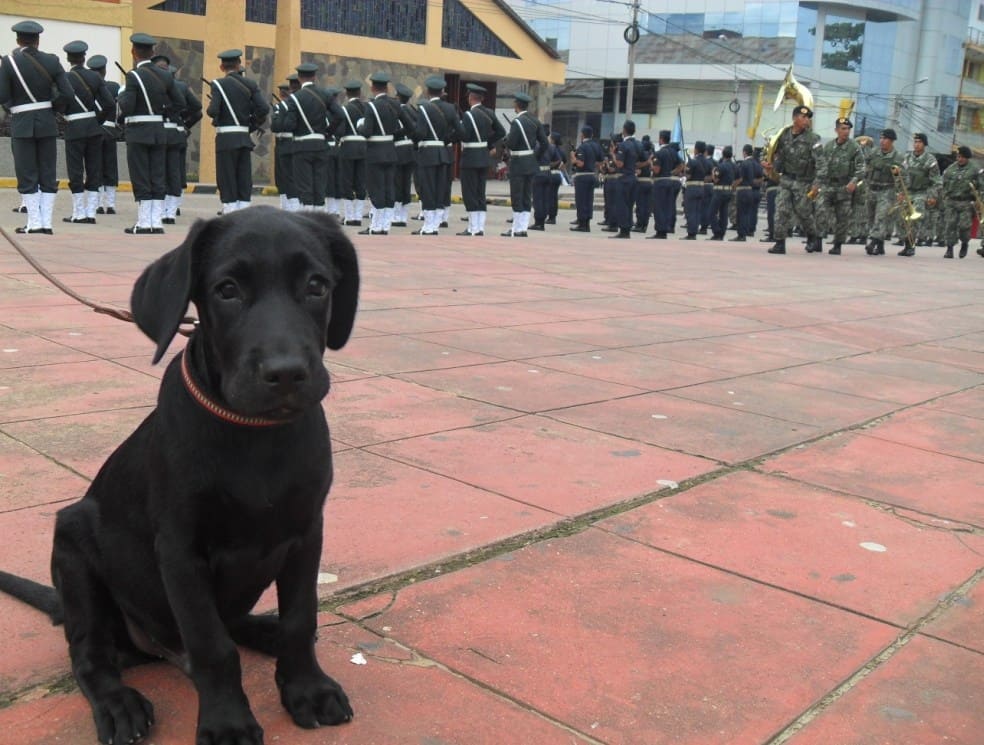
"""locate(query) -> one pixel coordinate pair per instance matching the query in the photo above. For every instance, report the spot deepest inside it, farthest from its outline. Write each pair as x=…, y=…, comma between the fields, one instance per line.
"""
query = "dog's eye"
x=317, y=287
x=228, y=290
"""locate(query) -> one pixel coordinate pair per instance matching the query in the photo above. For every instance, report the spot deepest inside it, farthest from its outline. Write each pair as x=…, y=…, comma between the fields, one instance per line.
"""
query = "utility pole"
x=631, y=36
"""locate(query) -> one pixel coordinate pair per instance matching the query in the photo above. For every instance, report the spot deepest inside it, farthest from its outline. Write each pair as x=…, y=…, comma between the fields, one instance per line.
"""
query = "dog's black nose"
x=284, y=375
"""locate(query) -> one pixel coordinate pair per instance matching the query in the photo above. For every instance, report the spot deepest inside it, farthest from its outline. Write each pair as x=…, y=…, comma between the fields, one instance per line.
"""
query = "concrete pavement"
x=587, y=491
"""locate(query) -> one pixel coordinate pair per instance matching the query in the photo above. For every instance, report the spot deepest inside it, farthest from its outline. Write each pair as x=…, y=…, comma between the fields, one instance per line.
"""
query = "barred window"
x=261, y=11
x=462, y=30
x=191, y=7
x=380, y=19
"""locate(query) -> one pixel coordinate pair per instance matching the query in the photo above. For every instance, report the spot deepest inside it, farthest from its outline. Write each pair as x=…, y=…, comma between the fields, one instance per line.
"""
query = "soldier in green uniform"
x=795, y=158
x=839, y=169
x=883, y=165
x=921, y=175
x=958, y=201
x=858, y=229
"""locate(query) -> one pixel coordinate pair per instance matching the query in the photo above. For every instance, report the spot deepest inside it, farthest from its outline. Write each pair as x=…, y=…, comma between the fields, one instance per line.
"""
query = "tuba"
x=791, y=90
x=907, y=210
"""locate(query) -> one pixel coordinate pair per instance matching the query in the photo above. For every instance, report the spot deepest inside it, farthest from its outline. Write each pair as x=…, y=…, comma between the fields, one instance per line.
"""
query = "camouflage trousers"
x=793, y=207
x=882, y=211
x=859, y=214
x=933, y=223
x=957, y=219
x=834, y=209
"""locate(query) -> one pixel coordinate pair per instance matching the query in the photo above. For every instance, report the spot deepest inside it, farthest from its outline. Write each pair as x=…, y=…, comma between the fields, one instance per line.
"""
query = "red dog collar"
x=220, y=411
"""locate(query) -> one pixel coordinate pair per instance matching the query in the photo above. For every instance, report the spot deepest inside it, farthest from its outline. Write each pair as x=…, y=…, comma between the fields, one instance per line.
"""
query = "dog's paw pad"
x=315, y=703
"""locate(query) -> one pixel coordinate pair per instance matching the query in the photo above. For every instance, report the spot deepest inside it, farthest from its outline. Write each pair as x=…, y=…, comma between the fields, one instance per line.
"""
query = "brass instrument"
x=907, y=210
x=978, y=203
x=791, y=89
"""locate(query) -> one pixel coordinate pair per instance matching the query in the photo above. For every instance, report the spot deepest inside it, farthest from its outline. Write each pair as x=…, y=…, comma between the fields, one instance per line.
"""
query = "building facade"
x=892, y=63
x=481, y=41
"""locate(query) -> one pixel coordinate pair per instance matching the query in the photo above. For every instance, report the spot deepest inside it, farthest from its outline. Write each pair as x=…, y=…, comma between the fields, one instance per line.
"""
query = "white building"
x=898, y=63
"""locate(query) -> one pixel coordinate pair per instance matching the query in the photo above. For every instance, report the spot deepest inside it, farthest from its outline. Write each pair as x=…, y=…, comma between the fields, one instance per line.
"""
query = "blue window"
x=380, y=19
x=462, y=30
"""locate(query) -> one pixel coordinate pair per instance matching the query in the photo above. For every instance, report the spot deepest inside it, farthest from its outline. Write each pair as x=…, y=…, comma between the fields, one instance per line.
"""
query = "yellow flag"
x=753, y=127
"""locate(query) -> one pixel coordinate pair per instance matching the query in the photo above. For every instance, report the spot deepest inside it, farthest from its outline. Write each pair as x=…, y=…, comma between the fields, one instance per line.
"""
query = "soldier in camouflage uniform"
x=921, y=175
x=795, y=158
x=958, y=201
x=858, y=230
x=883, y=165
x=839, y=169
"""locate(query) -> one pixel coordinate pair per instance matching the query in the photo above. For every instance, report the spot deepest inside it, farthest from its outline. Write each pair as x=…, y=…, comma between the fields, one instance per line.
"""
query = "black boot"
x=581, y=227
x=622, y=233
x=779, y=248
x=963, y=248
x=880, y=248
x=835, y=249
x=871, y=246
x=814, y=244
x=909, y=249
x=980, y=251
x=949, y=253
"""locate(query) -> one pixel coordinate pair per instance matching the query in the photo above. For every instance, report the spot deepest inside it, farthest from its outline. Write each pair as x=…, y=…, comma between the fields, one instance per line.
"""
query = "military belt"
x=518, y=153
x=232, y=129
x=284, y=135
x=82, y=115
x=402, y=143
x=144, y=119
x=474, y=145
x=694, y=183
x=312, y=136
x=431, y=143
x=36, y=106
x=172, y=125
x=381, y=138
x=352, y=138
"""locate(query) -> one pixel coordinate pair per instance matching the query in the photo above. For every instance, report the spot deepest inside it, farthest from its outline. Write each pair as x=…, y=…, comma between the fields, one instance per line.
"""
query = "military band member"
x=406, y=157
x=858, y=230
x=710, y=162
x=958, y=201
x=352, y=156
x=526, y=141
x=665, y=163
x=33, y=86
x=921, y=176
x=644, y=186
x=380, y=123
x=281, y=154
x=880, y=177
x=237, y=109
x=541, y=185
x=149, y=94
x=839, y=169
x=89, y=105
x=556, y=140
x=625, y=155
x=478, y=131
x=585, y=160
x=747, y=193
x=795, y=158
x=724, y=176
x=112, y=133
x=693, y=193
x=333, y=182
x=437, y=127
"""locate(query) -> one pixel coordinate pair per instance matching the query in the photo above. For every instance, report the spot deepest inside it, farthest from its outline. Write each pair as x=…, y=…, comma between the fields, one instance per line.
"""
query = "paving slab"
x=650, y=647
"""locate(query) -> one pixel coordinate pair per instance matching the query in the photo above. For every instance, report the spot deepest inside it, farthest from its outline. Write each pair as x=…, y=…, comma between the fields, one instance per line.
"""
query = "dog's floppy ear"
x=161, y=294
x=345, y=297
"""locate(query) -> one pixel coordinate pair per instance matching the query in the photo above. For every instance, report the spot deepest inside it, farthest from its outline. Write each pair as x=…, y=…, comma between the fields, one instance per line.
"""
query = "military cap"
x=522, y=97
x=747, y=149
x=804, y=110
x=76, y=47
x=292, y=76
x=158, y=57
x=587, y=130
x=27, y=27
x=889, y=134
x=230, y=54
x=646, y=138
x=475, y=88
x=143, y=40
x=307, y=68
x=331, y=91
x=921, y=136
x=727, y=152
x=97, y=62
x=664, y=134
x=436, y=83
x=843, y=121
x=964, y=151
x=379, y=78
x=352, y=85
x=283, y=87
x=700, y=146
x=402, y=90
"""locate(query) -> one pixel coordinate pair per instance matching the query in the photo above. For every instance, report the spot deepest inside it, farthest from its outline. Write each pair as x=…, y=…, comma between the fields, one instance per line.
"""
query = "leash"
x=119, y=313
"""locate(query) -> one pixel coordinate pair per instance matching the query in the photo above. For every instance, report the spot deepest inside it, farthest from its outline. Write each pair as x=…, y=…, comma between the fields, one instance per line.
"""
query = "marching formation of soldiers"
x=341, y=153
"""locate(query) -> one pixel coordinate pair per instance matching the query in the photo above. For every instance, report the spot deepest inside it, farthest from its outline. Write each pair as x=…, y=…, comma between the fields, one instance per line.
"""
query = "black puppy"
x=219, y=492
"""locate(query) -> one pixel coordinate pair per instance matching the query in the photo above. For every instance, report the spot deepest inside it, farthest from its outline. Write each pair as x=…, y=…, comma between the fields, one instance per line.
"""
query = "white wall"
x=104, y=40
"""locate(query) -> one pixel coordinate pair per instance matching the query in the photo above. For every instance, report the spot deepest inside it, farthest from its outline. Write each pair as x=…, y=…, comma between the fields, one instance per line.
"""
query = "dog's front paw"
x=316, y=700
x=240, y=729
x=123, y=716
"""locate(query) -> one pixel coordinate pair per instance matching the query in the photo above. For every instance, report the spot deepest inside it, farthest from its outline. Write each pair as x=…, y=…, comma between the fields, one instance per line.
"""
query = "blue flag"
x=677, y=135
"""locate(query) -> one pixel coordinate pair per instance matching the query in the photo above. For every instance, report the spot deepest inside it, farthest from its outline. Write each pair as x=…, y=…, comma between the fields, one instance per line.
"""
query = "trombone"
x=907, y=210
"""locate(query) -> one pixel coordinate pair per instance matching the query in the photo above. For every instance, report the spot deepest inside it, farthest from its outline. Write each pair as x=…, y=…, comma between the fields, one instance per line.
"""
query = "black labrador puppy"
x=219, y=492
